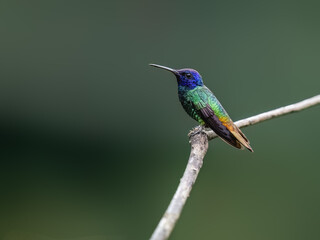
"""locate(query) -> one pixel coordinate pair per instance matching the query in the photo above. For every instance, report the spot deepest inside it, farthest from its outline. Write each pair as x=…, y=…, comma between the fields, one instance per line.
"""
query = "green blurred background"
x=94, y=141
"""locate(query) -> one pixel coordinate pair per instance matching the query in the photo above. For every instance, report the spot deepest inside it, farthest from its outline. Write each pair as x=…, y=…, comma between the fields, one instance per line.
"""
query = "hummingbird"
x=202, y=105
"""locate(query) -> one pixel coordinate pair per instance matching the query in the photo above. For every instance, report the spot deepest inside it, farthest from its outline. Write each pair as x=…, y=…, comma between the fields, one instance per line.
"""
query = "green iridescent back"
x=197, y=98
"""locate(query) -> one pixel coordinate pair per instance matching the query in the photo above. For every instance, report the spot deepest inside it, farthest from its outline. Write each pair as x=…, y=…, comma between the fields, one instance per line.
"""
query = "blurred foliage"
x=93, y=140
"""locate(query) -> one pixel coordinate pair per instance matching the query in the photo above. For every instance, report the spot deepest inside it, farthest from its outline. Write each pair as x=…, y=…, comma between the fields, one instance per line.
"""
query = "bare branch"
x=199, y=147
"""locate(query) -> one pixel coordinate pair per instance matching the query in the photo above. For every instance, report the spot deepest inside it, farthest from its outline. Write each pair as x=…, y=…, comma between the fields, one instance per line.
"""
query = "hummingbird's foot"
x=195, y=130
x=206, y=130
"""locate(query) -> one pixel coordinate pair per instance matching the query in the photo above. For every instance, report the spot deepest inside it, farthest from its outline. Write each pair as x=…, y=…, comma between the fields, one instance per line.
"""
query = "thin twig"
x=199, y=147
x=296, y=107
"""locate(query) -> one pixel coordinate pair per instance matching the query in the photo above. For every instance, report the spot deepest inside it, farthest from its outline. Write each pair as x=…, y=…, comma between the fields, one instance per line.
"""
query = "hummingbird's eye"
x=188, y=75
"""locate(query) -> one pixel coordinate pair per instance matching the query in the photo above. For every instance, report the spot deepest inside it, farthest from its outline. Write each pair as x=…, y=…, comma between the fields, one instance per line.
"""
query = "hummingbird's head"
x=187, y=77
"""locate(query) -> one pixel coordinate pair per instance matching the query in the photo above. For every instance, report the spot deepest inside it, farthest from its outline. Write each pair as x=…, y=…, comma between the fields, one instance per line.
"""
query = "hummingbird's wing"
x=214, y=115
x=212, y=121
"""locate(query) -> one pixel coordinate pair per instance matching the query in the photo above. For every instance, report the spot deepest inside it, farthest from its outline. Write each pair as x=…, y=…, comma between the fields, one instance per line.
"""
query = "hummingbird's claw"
x=195, y=131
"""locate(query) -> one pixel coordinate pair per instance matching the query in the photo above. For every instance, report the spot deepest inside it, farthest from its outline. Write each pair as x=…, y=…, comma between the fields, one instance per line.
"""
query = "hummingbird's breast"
x=186, y=101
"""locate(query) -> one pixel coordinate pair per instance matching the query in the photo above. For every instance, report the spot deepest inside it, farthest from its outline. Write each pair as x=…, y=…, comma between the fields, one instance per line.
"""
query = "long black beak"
x=175, y=72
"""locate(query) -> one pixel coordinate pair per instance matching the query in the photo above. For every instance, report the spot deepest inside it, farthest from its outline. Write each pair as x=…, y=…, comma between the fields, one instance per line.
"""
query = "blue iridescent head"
x=186, y=77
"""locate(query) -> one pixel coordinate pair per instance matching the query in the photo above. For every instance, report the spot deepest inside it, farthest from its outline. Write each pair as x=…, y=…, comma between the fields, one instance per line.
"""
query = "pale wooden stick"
x=199, y=147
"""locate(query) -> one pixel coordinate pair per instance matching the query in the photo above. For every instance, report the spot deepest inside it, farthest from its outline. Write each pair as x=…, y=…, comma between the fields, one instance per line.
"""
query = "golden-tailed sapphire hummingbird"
x=201, y=104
